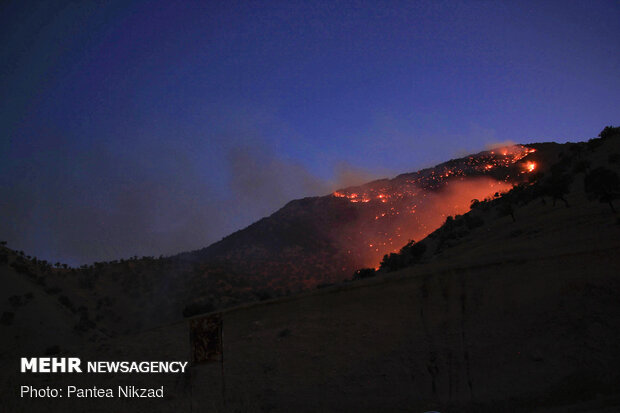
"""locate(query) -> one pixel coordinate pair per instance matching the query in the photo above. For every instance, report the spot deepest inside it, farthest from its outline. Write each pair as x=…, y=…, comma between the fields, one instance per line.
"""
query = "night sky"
x=152, y=128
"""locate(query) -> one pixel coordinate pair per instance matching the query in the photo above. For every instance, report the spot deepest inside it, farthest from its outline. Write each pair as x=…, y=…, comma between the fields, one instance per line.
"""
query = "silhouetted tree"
x=414, y=249
x=603, y=184
x=410, y=254
x=64, y=300
x=520, y=194
x=557, y=186
x=609, y=131
x=592, y=144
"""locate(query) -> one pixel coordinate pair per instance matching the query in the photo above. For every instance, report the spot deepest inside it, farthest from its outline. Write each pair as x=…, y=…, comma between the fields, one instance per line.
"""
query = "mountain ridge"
x=290, y=251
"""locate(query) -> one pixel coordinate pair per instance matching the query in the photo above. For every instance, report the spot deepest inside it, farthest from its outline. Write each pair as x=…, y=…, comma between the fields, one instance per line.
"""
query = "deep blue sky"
x=156, y=127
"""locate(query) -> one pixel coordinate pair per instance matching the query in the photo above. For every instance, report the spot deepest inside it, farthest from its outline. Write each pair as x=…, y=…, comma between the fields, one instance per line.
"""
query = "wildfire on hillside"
x=412, y=206
x=501, y=157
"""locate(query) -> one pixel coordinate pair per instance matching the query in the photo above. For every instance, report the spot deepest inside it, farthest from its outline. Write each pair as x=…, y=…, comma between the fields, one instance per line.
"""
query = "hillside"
x=517, y=312
x=356, y=226
x=307, y=243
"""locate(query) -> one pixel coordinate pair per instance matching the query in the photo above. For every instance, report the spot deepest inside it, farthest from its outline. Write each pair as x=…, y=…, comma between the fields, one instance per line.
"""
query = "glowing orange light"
x=530, y=166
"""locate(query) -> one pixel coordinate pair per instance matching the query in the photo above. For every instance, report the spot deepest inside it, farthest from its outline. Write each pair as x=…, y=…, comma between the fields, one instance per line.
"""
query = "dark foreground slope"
x=515, y=315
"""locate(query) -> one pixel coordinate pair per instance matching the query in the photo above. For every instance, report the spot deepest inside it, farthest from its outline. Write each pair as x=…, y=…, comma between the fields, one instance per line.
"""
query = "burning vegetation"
x=392, y=212
x=410, y=186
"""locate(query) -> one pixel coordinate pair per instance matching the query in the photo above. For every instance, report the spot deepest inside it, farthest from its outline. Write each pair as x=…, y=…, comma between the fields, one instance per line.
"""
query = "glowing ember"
x=530, y=166
x=480, y=164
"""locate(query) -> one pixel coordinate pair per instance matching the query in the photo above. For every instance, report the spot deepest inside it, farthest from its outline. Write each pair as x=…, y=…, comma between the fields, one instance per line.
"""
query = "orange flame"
x=529, y=166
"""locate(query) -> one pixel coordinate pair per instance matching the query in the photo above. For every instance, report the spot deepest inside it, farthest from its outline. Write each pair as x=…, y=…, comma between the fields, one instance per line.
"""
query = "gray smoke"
x=98, y=205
